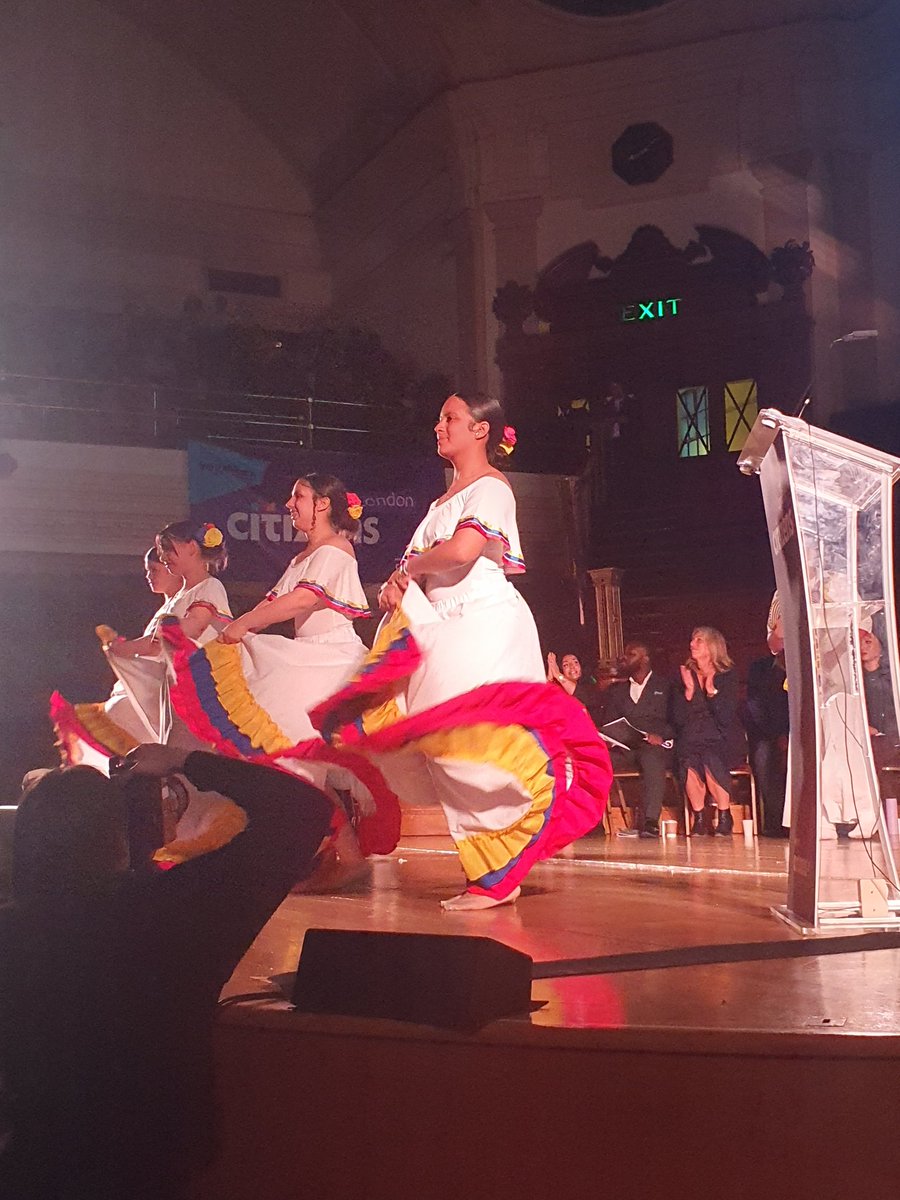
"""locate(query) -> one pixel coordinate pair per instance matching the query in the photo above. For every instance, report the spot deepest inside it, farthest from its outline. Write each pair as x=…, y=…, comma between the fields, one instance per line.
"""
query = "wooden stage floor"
x=615, y=896
x=773, y=1078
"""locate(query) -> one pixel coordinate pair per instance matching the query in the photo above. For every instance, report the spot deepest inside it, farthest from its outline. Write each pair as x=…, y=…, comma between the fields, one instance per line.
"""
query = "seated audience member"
x=879, y=693
x=767, y=725
x=709, y=743
x=774, y=627
x=570, y=679
x=109, y=979
x=644, y=699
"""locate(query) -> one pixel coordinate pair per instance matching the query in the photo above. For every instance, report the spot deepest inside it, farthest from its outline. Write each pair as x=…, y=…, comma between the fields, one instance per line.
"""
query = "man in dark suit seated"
x=643, y=699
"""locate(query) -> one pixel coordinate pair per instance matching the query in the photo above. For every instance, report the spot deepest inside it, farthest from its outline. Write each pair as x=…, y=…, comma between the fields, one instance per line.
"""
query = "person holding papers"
x=638, y=731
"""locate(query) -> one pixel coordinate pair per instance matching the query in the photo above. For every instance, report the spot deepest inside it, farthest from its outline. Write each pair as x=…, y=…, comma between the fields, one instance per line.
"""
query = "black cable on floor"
x=698, y=956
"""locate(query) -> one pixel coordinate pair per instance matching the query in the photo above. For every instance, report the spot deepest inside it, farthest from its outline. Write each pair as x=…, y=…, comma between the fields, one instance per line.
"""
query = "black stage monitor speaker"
x=452, y=982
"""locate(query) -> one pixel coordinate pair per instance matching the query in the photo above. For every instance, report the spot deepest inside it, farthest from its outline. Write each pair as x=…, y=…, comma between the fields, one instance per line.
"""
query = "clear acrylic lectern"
x=828, y=510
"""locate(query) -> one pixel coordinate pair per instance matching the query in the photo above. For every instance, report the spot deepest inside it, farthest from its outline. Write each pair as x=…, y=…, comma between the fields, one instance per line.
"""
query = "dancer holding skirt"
x=456, y=685
x=248, y=694
x=182, y=566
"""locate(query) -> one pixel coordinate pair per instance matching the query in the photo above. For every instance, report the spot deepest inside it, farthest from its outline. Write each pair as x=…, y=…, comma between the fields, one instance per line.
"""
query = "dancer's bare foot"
x=339, y=866
x=469, y=901
x=332, y=875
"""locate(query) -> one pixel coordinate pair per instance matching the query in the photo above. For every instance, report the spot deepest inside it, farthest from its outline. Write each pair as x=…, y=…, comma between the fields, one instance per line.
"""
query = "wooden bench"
x=741, y=772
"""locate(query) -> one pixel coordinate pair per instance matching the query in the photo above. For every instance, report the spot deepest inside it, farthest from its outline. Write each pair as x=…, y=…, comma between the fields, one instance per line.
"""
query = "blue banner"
x=245, y=493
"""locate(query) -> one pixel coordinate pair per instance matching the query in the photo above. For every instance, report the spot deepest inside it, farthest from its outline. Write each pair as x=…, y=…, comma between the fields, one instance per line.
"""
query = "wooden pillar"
x=607, y=593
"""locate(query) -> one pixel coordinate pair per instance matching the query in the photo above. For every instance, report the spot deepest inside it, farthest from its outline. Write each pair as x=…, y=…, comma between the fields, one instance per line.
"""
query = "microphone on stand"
x=858, y=335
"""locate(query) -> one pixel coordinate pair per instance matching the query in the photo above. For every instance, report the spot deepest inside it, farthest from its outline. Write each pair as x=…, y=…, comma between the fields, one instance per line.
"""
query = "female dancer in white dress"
x=94, y=733
x=249, y=693
x=265, y=685
x=201, y=608
x=461, y=555
x=517, y=770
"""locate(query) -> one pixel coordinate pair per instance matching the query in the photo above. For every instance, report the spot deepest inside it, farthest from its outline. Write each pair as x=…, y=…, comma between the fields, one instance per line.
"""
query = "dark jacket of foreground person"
x=107, y=998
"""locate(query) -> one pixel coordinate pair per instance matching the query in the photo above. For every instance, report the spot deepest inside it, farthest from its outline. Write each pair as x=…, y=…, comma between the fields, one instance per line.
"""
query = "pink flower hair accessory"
x=354, y=506
x=509, y=439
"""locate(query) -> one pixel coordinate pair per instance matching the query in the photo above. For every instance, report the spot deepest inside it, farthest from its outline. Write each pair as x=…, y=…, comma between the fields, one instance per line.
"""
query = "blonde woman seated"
x=708, y=740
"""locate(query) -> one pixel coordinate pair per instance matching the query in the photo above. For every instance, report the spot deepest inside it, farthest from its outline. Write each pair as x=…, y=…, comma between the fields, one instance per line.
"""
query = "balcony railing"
x=42, y=407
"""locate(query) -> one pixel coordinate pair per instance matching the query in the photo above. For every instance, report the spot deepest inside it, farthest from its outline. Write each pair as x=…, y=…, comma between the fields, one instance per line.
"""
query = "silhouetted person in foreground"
x=109, y=978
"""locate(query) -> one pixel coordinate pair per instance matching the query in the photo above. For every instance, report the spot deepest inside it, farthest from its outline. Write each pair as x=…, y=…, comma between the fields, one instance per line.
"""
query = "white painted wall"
x=391, y=242
x=126, y=173
x=738, y=83
x=90, y=501
x=733, y=104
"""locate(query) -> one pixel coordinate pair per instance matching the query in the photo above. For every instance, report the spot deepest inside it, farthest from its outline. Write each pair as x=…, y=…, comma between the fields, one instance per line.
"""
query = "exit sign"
x=650, y=310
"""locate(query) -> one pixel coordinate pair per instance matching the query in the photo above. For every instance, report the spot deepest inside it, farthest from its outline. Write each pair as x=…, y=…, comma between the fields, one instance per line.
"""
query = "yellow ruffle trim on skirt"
x=237, y=700
x=103, y=729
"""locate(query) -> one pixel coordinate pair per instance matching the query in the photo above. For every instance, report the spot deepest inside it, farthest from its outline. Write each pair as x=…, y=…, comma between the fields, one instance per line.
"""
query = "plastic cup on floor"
x=748, y=831
x=670, y=828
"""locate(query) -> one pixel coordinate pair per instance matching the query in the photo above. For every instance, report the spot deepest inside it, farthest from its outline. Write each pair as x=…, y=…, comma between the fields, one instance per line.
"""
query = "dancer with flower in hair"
x=94, y=733
x=200, y=608
x=453, y=700
x=249, y=693
x=198, y=554
x=139, y=708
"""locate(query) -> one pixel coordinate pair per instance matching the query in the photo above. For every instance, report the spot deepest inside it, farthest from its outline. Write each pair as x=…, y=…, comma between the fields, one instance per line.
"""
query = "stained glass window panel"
x=693, y=422
x=740, y=411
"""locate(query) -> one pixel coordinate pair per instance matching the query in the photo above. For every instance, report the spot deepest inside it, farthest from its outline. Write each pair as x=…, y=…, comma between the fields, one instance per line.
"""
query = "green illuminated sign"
x=650, y=310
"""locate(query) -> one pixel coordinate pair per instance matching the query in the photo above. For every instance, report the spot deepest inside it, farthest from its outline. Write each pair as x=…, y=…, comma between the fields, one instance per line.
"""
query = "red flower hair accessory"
x=509, y=439
x=354, y=506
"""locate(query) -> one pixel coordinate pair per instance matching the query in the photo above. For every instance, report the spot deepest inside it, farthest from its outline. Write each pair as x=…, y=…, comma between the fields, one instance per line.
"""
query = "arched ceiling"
x=330, y=81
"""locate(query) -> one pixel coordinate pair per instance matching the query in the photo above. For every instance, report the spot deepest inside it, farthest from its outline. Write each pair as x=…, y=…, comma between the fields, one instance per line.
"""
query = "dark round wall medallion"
x=642, y=153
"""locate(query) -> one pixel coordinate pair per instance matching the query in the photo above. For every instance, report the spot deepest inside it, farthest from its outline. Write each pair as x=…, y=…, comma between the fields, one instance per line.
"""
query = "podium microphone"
x=804, y=400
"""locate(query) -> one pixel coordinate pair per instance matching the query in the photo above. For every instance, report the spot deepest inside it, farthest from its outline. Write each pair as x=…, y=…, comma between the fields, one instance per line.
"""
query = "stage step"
x=429, y=820
x=422, y=820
